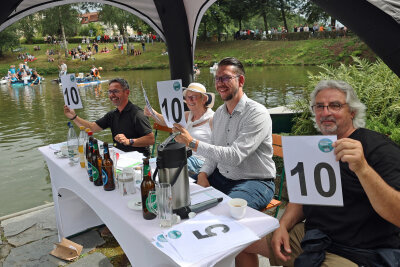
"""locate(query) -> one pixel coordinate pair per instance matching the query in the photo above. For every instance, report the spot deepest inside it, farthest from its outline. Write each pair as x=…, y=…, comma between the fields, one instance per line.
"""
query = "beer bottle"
x=89, y=152
x=107, y=170
x=147, y=186
x=81, y=144
x=96, y=165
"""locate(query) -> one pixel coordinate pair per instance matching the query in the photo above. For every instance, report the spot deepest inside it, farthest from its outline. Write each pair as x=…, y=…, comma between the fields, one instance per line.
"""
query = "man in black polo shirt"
x=130, y=128
x=365, y=230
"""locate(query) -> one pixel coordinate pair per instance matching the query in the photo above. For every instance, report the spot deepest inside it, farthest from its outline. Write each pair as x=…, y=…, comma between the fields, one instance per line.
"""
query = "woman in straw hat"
x=198, y=118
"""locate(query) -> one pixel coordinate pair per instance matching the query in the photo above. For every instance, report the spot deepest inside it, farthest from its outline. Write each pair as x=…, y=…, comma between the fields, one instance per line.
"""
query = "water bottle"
x=81, y=146
x=72, y=143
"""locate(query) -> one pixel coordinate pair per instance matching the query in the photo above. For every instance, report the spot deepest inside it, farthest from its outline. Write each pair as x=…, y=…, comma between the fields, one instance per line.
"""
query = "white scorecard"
x=70, y=91
x=171, y=102
x=312, y=172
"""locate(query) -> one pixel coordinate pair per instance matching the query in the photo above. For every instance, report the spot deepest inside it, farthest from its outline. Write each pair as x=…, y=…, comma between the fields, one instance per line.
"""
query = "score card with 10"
x=312, y=172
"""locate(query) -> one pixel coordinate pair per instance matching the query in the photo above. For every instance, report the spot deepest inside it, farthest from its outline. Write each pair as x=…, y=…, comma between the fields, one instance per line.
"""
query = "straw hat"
x=199, y=88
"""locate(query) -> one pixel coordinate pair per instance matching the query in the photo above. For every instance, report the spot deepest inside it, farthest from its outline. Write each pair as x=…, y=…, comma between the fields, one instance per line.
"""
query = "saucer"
x=135, y=203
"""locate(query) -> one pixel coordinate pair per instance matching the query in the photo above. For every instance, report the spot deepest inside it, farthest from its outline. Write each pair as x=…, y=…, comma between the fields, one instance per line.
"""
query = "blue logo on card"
x=177, y=86
x=325, y=145
x=174, y=234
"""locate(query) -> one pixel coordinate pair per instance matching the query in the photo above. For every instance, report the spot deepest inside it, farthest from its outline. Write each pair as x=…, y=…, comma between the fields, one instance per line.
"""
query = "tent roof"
x=377, y=22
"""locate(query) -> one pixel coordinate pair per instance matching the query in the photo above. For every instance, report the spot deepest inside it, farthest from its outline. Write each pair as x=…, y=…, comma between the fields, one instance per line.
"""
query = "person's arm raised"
x=383, y=198
x=70, y=114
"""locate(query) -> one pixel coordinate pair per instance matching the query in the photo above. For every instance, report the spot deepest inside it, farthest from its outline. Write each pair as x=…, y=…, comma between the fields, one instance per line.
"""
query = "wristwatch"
x=192, y=144
x=131, y=142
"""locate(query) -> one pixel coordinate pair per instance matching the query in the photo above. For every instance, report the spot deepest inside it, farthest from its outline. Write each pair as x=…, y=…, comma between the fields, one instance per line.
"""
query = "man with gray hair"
x=130, y=128
x=365, y=231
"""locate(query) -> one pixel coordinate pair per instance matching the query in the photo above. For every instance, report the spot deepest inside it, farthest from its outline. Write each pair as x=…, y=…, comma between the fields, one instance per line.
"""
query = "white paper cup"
x=237, y=207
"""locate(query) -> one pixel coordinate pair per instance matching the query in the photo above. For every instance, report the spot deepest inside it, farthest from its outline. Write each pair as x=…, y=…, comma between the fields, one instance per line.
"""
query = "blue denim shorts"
x=257, y=193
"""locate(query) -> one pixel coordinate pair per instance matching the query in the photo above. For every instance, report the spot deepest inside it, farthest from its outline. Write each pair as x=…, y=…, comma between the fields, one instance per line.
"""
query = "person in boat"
x=363, y=232
x=130, y=128
x=95, y=72
x=12, y=73
x=35, y=77
x=196, y=69
x=63, y=68
x=239, y=157
x=21, y=74
x=199, y=120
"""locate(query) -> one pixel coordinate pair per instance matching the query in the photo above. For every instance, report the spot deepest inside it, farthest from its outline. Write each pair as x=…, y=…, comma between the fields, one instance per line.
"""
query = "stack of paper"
x=201, y=237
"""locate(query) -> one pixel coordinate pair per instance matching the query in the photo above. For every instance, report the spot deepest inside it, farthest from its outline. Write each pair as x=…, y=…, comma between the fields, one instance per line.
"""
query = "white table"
x=79, y=205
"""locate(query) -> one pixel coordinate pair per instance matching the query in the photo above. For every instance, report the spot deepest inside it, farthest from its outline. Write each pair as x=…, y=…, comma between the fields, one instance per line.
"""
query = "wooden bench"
x=276, y=201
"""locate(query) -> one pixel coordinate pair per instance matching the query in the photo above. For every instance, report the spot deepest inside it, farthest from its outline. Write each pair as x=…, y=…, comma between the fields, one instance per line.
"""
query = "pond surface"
x=32, y=117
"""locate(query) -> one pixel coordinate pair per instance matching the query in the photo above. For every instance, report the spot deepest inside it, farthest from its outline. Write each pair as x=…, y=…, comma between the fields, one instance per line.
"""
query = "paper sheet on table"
x=204, y=236
x=57, y=147
x=129, y=159
x=205, y=194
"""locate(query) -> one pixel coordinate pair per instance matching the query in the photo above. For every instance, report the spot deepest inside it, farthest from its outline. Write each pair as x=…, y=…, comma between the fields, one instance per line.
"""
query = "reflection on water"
x=32, y=116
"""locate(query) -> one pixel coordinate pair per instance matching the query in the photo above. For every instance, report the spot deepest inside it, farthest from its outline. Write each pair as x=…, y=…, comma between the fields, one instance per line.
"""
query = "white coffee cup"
x=237, y=207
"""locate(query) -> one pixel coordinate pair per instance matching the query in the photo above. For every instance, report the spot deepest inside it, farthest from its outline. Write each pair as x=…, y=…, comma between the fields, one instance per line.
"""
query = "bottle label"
x=105, y=177
x=151, y=203
x=89, y=169
x=105, y=151
x=146, y=170
x=95, y=173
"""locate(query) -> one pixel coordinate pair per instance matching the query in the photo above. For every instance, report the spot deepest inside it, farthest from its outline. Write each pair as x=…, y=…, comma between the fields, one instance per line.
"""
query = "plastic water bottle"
x=72, y=143
x=81, y=146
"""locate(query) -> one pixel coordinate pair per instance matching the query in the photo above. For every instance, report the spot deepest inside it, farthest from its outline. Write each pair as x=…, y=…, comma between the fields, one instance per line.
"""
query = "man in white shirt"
x=239, y=157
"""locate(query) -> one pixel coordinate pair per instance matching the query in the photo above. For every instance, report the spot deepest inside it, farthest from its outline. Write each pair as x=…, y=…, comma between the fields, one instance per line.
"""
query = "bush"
x=376, y=86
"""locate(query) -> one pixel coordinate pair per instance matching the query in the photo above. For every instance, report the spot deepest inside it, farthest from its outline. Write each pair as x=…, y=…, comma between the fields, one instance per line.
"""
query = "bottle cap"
x=87, y=130
x=81, y=127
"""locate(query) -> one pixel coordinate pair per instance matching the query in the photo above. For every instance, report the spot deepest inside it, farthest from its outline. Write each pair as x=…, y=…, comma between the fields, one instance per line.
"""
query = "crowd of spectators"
x=314, y=31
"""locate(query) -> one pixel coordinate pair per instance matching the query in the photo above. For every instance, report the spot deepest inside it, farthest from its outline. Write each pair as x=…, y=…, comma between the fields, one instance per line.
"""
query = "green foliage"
x=96, y=28
x=111, y=16
x=27, y=26
x=8, y=38
x=53, y=18
x=376, y=86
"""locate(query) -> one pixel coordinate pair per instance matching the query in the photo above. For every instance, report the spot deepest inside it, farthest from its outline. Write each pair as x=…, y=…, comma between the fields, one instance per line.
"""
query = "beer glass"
x=163, y=209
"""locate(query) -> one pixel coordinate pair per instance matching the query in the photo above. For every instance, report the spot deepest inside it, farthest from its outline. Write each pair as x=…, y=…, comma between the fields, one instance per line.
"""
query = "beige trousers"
x=295, y=237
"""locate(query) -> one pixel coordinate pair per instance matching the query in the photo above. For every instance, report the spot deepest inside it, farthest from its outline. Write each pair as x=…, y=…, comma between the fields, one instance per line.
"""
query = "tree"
x=283, y=7
x=237, y=10
x=27, y=26
x=111, y=16
x=313, y=12
x=9, y=38
x=217, y=20
x=61, y=21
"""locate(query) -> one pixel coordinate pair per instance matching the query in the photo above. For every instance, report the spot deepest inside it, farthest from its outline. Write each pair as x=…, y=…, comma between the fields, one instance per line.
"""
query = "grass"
x=305, y=52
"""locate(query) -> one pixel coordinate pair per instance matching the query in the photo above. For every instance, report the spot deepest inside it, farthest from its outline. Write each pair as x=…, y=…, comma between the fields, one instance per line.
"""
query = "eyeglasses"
x=332, y=107
x=110, y=92
x=192, y=97
x=224, y=79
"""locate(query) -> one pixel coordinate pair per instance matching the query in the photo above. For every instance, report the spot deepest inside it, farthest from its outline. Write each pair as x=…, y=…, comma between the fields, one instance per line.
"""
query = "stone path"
x=27, y=239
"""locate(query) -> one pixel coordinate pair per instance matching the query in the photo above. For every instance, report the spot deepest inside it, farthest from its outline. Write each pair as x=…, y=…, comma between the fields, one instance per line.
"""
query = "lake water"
x=32, y=117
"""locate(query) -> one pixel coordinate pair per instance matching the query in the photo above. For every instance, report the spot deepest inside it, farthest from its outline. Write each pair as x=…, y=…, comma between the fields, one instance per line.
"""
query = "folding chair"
x=276, y=201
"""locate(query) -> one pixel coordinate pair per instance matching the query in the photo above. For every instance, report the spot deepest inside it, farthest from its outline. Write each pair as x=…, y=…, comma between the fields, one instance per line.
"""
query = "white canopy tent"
x=377, y=22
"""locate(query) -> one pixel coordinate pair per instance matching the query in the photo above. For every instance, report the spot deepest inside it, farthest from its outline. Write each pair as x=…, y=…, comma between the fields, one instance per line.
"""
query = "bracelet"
x=73, y=118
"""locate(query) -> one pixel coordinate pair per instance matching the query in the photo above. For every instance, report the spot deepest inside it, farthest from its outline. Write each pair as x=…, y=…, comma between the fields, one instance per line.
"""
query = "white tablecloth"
x=79, y=205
